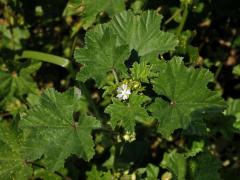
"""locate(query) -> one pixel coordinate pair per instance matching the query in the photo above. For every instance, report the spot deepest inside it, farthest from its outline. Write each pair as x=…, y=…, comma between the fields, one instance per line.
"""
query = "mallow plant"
x=147, y=97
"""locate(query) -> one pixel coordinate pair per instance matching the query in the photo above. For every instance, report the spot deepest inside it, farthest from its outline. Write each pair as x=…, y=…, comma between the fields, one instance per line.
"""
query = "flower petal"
x=120, y=96
x=125, y=97
x=119, y=89
x=128, y=92
x=124, y=86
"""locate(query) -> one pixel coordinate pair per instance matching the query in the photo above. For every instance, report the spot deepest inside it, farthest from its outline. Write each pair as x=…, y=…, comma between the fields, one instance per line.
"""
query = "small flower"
x=129, y=137
x=123, y=92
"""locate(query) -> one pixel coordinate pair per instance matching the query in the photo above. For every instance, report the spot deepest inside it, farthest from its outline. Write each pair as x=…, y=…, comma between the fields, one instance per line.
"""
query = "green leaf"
x=126, y=114
x=197, y=147
x=89, y=9
x=53, y=129
x=218, y=123
x=46, y=175
x=186, y=91
x=236, y=42
x=94, y=174
x=13, y=164
x=94, y=7
x=193, y=53
x=108, y=46
x=141, y=72
x=73, y=7
x=17, y=85
x=129, y=154
x=176, y=163
x=236, y=70
x=101, y=55
x=152, y=172
x=141, y=32
x=204, y=166
x=11, y=37
x=233, y=109
x=197, y=127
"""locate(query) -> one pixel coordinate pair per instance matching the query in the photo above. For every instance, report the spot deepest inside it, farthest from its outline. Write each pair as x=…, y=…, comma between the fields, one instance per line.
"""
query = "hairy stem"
x=86, y=93
x=115, y=76
x=43, y=167
x=183, y=21
x=218, y=71
x=73, y=45
x=176, y=13
x=63, y=62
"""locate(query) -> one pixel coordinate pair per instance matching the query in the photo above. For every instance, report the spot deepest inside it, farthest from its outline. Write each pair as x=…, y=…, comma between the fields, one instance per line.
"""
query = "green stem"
x=107, y=129
x=177, y=12
x=115, y=76
x=218, y=71
x=73, y=45
x=89, y=99
x=183, y=21
x=43, y=167
x=63, y=62
x=82, y=86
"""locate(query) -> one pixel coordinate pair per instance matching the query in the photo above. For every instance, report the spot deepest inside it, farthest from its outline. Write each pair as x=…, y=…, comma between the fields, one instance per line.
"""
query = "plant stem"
x=43, y=167
x=82, y=86
x=218, y=71
x=115, y=76
x=173, y=16
x=183, y=21
x=89, y=99
x=63, y=62
x=73, y=46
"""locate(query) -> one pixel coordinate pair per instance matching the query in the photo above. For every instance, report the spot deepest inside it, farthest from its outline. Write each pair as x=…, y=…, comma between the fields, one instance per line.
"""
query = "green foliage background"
x=61, y=63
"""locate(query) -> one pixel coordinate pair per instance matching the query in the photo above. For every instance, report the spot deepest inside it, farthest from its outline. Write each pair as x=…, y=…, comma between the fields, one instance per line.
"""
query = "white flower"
x=123, y=92
x=130, y=137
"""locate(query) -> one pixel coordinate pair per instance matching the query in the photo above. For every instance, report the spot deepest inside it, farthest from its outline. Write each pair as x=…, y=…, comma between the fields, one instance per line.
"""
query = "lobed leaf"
x=142, y=72
x=17, y=84
x=176, y=163
x=142, y=33
x=89, y=9
x=13, y=162
x=126, y=114
x=101, y=55
x=95, y=174
x=186, y=92
x=108, y=46
x=204, y=166
x=52, y=130
x=94, y=7
x=233, y=109
x=152, y=172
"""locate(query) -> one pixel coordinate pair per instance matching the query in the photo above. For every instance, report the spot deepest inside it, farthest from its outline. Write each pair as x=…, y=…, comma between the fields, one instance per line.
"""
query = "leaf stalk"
x=183, y=21
x=45, y=57
x=115, y=76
